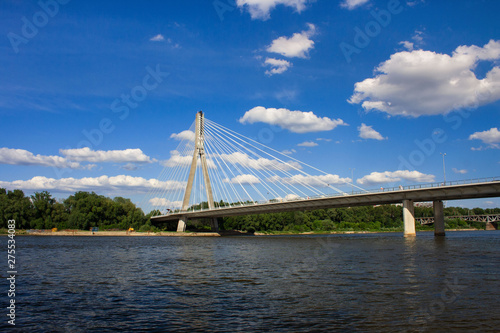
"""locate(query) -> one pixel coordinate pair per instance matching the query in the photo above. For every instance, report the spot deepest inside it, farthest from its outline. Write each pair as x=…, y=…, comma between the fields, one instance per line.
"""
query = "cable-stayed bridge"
x=216, y=172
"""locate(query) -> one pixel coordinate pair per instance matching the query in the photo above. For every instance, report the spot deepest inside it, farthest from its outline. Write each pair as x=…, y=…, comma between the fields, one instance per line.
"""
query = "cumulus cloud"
x=24, y=157
x=184, y=135
x=260, y=163
x=421, y=82
x=315, y=181
x=307, y=144
x=244, y=179
x=120, y=184
x=462, y=172
x=395, y=176
x=407, y=45
x=119, y=156
x=490, y=137
x=291, y=197
x=177, y=159
x=352, y=4
x=367, y=132
x=294, y=121
x=278, y=66
x=417, y=38
x=261, y=9
x=162, y=202
x=157, y=38
x=297, y=46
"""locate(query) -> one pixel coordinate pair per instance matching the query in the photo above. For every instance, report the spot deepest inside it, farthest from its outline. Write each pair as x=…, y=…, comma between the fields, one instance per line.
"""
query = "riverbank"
x=120, y=233
x=123, y=233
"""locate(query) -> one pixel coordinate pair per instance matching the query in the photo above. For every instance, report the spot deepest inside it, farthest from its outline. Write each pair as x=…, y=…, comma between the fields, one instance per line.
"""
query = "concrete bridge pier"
x=181, y=226
x=409, y=218
x=215, y=225
x=438, y=218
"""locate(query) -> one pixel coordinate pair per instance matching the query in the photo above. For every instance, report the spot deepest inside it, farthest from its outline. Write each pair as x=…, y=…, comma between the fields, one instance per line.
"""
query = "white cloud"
x=176, y=159
x=352, y=4
x=294, y=121
x=121, y=183
x=307, y=144
x=278, y=66
x=244, y=179
x=260, y=9
x=367, y=132
x=24, y=157
x=96, y=156
x=395, y=176
x=184, y=135
x=291, y=197
x=316, y=181
x=260, y=163
x=130, y=167
x=490, y=137
x=407, y=45
x=162, y=202
x=297, y=46
x=413, y=3
x=323, y=139
x=418, y=37
x=421, y=82
x=289, y=152
x=157, y=38
x=462, y=172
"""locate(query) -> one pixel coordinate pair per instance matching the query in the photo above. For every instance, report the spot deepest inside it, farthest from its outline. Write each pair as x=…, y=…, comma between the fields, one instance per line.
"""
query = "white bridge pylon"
x=199, y=152
x=215, y=167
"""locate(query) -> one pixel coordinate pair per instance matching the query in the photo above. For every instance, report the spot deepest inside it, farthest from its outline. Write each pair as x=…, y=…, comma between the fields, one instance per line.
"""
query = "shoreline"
x=84, y=233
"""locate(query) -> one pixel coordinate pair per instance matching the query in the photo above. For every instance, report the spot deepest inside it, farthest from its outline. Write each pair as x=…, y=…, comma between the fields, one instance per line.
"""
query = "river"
x=307, y=283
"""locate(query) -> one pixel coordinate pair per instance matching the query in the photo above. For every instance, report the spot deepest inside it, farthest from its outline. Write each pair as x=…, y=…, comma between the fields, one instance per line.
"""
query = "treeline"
x=367, y=218
x=82, y=211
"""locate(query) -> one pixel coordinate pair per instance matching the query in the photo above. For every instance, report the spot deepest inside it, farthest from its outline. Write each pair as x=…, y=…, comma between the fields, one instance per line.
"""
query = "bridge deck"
x=428, y=192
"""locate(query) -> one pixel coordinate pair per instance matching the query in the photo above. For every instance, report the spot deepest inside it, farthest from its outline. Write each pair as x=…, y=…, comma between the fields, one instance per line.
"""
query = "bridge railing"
x=380, y=190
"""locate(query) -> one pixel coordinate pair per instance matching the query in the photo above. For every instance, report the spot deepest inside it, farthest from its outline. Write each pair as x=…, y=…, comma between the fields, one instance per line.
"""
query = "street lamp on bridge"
x=444, y=169
x=352, y=180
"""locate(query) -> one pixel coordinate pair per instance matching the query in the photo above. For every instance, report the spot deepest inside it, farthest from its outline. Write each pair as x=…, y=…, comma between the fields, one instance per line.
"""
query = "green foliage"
x=387, y=217
x=82, y=210
x=15, y=206
x=366, y=218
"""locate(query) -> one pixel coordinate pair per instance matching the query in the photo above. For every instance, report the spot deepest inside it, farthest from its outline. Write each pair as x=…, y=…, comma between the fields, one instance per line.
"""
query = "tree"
x=43, y=205
x=15, y=206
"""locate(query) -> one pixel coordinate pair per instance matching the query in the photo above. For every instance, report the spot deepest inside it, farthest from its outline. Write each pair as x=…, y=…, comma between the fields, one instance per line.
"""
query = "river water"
x=307, y=283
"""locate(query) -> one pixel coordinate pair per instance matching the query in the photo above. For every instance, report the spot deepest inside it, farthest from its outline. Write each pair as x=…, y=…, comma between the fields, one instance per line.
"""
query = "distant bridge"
x=224, y=161
x=491, y=218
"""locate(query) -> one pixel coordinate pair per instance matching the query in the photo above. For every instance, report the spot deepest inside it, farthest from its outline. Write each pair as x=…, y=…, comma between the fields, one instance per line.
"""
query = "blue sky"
x=92, y=92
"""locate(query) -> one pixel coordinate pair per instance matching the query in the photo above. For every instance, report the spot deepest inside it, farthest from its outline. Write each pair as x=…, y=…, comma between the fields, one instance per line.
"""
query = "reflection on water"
x=351, y=283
